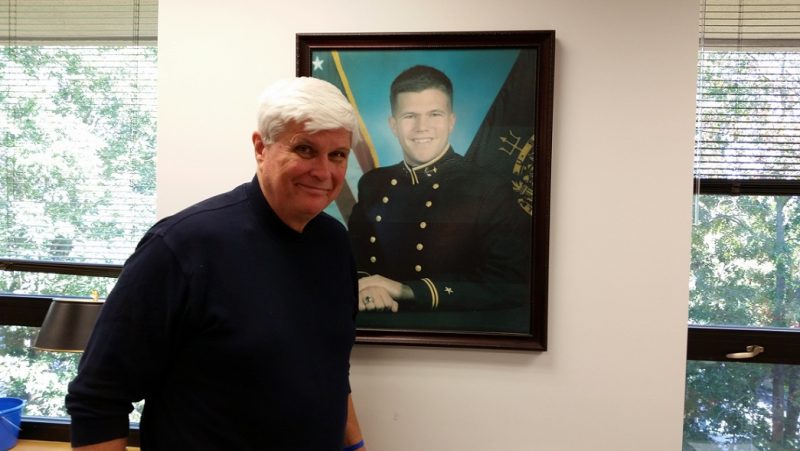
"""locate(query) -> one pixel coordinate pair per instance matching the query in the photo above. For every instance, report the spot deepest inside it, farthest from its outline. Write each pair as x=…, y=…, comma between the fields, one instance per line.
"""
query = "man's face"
x=422, y=122
x=301, y=173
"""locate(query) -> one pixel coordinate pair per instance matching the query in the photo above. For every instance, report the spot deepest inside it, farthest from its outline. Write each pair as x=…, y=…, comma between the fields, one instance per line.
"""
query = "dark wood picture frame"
x=375, y=56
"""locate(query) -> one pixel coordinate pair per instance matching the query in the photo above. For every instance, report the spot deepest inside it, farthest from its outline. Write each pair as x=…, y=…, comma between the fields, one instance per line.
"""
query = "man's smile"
x=315, y=189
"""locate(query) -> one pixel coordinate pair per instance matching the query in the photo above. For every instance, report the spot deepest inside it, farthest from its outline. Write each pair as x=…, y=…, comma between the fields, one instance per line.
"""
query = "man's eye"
x=338, y=156
x=304, y=151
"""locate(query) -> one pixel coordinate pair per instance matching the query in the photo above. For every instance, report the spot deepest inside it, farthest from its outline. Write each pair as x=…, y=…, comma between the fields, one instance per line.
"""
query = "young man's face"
x=301, y=173
x=422, y=122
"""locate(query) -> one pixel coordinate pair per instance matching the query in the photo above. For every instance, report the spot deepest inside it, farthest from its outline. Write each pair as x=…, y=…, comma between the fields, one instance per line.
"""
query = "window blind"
x=748, y=93
x=78, y=97
x=42, y=22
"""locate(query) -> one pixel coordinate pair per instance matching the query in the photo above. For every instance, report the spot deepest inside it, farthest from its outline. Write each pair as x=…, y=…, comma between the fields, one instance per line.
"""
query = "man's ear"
x=393, y=125
x=258, y=145
x=257, y=141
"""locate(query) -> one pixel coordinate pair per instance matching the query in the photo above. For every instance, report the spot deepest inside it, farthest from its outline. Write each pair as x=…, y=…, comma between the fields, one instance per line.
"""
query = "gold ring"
x=367, y=299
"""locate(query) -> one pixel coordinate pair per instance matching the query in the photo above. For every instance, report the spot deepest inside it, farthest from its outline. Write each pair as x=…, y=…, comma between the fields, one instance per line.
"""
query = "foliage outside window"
x=745, y=265
x=745, y=256
x=77, y=185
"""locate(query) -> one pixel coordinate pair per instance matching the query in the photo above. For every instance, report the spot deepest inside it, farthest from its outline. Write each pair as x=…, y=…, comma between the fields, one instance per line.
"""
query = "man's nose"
x=320, y=167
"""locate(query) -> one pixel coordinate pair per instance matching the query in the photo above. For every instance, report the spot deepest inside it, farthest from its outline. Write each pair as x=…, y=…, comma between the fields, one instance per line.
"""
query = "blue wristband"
x=354, y=446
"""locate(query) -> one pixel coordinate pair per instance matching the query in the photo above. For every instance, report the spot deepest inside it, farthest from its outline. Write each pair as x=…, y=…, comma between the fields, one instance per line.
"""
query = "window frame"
x=712, y=343
x=30, y=311
x=125, y=23
x=745, y=26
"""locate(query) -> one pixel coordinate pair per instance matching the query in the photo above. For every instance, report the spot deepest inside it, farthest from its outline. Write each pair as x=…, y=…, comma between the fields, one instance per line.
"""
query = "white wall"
x=613, y=376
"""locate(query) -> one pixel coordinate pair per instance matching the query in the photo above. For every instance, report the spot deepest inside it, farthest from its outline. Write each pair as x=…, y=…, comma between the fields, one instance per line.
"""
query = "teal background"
x=477, y=76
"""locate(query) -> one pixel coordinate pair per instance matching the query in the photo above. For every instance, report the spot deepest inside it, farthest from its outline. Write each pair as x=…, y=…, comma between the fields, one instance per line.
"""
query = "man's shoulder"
x=328, y=235
x=328, y=224
x=202, y=214
x=479, y=177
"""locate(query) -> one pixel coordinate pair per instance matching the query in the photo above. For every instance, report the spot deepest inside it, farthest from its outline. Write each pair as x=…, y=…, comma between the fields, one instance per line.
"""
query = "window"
x=77, y=171
x=745, y=266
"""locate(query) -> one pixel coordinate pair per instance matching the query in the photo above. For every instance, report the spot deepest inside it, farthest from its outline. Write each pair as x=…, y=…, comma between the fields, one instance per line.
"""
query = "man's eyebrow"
x=300, y=138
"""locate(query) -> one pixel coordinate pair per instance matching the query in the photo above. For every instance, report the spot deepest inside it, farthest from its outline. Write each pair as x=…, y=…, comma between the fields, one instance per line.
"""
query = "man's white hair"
x=316, y=103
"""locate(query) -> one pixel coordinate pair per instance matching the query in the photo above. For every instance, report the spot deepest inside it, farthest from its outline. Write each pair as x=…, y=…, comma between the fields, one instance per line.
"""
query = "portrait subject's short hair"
x=417, y=79
x=304, y=100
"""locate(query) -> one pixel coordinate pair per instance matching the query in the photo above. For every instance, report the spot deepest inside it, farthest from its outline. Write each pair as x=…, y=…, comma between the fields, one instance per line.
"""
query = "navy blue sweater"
x=234, y=328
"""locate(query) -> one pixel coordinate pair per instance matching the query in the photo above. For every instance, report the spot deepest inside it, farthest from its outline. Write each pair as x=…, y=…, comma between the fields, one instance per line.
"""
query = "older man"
x=234, y=319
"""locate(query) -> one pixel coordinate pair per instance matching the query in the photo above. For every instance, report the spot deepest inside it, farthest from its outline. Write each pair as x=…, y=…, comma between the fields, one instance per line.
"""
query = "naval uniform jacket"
x=450, y=231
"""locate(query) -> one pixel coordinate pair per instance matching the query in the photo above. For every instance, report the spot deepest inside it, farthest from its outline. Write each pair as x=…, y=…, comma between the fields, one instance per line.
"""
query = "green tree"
x=745, y=273
x=745, y=251
x=77, y=184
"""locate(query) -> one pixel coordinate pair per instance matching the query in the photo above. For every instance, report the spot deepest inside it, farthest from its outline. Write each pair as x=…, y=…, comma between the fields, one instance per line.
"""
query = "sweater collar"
x=266, y=215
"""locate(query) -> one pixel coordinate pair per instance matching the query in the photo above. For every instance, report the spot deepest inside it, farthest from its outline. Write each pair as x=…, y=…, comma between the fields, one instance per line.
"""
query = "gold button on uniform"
x=428, y=204
x=393, y=182
x=372, y=239
x=419, y=246
x=423, y=224
x=435, y=186
x=385, y=200
x=418, y=268
x=378, y=218
x=373, y=259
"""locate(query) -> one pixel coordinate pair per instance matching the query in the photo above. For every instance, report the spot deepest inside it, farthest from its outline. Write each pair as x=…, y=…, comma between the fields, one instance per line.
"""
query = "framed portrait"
x=447, y=193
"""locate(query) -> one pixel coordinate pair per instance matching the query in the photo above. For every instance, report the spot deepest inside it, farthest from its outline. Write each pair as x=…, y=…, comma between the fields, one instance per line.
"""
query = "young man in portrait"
x=440, y=244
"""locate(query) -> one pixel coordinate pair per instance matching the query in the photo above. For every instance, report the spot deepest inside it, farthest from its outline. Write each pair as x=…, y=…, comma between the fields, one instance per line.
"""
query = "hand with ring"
x=376, y=299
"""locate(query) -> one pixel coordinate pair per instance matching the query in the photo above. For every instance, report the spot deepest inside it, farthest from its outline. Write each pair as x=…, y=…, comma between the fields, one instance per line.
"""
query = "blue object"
x=10, y=420
x=354, y=446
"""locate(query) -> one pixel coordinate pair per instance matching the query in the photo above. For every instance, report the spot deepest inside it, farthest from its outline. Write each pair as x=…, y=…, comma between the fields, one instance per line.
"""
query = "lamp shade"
x=68, y=325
